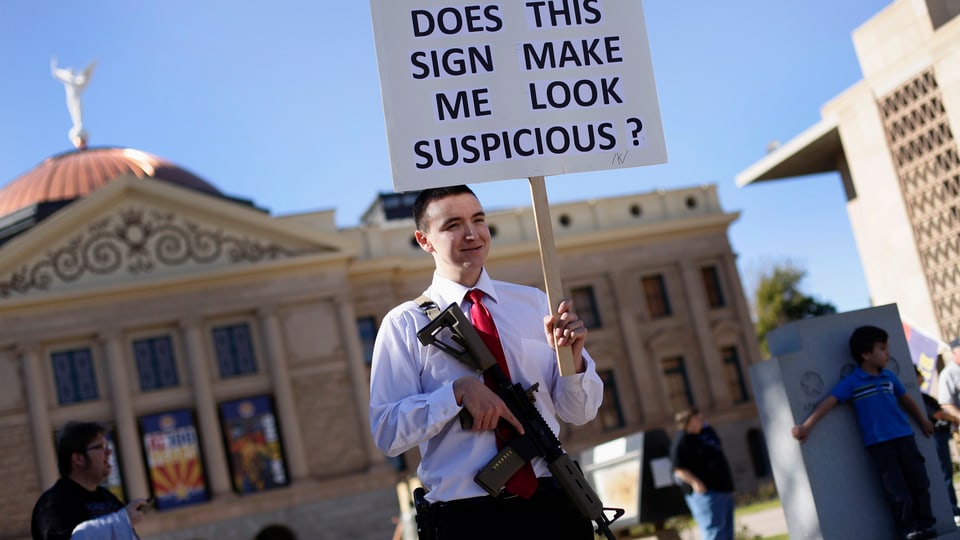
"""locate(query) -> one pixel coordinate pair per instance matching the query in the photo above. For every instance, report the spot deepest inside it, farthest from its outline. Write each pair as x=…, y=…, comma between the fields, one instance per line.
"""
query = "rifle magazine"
x=494, y=476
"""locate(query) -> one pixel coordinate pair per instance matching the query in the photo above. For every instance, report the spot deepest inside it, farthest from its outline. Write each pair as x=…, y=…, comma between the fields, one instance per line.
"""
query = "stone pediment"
x=136, y=230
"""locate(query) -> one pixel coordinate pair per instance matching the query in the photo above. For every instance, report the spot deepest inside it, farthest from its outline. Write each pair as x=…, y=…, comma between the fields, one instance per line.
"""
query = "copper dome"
x=80, y=172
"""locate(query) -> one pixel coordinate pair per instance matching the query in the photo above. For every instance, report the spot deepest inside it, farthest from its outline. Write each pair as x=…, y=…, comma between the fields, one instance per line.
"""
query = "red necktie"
x=524, y=481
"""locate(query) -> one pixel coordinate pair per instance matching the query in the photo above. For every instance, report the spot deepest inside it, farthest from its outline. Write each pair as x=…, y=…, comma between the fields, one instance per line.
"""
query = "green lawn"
x=756, y=507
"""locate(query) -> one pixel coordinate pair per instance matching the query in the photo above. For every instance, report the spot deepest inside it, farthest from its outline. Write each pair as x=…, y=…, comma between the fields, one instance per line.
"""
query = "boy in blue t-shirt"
x=879, y=399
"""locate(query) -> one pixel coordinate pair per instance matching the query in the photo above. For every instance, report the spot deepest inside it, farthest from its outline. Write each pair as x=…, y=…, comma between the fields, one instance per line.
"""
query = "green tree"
x=779, y=300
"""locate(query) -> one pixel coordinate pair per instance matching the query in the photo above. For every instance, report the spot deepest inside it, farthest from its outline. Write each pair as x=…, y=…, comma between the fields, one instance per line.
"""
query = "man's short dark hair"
x=863, y=339
x=73, y=438
x=429, y=195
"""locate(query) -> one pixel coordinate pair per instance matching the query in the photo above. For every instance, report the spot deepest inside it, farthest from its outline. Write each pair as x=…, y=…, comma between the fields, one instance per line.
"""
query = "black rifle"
x=538, y=439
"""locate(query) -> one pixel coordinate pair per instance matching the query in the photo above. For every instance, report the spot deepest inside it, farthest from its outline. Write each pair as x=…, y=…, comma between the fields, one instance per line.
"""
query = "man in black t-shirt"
x=701, y=466
x=83, y=459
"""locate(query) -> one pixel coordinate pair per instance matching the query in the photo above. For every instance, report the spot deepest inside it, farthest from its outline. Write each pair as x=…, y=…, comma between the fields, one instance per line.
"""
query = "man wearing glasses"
x=77, y=506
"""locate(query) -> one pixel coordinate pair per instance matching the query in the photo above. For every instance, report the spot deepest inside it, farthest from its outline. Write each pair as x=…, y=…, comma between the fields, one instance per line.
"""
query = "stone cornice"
x=139, y=241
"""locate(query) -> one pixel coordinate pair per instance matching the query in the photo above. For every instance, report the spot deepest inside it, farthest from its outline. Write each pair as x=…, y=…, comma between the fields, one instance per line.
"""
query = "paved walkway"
x=770, y=522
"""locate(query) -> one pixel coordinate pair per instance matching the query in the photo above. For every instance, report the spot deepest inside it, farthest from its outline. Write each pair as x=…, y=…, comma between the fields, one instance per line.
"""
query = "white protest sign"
x=477, y=92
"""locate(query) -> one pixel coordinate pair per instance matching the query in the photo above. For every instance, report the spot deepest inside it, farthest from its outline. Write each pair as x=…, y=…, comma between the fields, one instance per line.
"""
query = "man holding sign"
x=418, y=391
x=493, y=91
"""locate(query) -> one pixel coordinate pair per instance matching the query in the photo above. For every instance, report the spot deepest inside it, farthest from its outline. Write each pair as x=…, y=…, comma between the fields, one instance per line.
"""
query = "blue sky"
x=281, y=103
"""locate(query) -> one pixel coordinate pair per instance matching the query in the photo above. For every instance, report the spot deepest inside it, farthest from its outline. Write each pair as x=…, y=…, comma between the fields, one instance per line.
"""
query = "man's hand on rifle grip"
x=483, y=404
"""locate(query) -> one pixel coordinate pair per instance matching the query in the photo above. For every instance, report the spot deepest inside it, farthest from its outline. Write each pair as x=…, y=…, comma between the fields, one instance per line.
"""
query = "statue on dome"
x=74, y=83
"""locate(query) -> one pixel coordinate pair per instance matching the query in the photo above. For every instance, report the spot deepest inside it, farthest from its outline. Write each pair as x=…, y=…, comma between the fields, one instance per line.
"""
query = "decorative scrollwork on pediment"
x=137, y=241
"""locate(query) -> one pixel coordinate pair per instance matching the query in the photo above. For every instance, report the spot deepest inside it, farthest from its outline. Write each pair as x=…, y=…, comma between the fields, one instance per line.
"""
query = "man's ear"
x=77, y=459
x=423, y=241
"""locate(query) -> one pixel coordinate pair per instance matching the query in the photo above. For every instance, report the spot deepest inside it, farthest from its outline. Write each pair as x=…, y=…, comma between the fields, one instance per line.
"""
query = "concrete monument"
x=827, y=484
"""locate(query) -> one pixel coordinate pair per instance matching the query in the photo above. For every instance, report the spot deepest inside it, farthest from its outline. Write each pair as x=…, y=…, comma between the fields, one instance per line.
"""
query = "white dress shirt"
x=115, y=526
x=411, y=385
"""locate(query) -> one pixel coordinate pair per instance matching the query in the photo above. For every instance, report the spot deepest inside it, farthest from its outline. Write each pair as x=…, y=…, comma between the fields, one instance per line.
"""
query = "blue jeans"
x=946, y=467
x=713, y=512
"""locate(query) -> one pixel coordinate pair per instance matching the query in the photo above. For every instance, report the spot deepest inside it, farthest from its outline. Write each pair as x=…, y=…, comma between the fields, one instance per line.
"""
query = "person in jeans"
x=702, y=468
x=943, y=423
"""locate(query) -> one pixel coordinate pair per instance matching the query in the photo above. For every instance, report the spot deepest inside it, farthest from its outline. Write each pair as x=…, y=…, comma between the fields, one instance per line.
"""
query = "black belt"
x=544, y=483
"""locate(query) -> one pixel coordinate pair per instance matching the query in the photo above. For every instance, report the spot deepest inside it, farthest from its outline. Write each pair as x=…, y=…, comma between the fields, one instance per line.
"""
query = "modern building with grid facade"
x=229, y=349
x=891, y=138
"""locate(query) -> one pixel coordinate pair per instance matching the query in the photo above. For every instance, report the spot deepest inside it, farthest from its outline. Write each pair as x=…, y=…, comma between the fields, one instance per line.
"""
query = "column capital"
x=189, y=322
x=267, y=311
x=23, y=348
x=109, y=335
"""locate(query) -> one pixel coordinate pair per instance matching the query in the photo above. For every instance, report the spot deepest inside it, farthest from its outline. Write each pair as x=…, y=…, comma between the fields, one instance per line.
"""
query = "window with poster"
x=171, y=447
x=252, y=441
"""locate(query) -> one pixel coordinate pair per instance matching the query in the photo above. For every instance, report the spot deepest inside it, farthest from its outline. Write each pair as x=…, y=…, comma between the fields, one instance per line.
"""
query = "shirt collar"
x=451, y=291
x=864, y=375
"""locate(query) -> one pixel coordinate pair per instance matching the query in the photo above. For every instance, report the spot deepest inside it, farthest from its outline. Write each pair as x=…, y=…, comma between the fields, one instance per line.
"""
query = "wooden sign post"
x=548, y=258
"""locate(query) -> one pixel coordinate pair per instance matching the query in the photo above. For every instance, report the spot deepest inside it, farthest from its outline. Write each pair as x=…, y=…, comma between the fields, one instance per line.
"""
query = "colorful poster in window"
x=172, y=450
x=253, y=442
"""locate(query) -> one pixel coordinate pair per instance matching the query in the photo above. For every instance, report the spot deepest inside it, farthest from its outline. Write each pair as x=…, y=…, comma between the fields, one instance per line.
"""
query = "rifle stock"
x=538, y=439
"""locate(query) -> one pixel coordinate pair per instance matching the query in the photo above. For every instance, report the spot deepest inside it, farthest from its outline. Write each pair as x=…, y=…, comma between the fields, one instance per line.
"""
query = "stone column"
x=711, y=372
x=125, y=430
x=358, y=373
x=751, y=350
x=209, y=428
x=642, y=368
x=283, y=394
x=37, y=399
